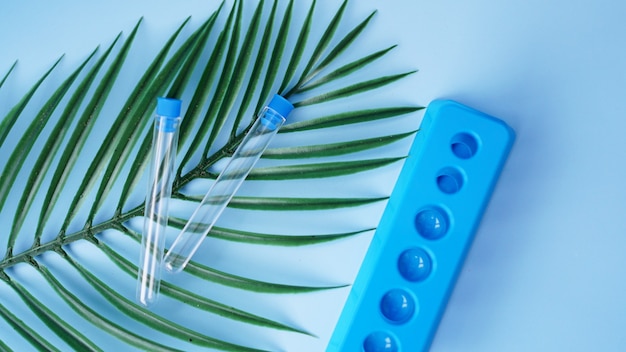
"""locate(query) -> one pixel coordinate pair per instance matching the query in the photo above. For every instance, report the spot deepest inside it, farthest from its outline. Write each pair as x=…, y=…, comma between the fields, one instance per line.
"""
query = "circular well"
x=380, y=341
x=450, y=180
x=397, y=305
x=432, y=223
x=415, y=264
x=464, y=145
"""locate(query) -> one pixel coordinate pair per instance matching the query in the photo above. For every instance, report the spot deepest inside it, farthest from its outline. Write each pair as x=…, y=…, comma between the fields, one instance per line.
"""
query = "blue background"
x=547, y=270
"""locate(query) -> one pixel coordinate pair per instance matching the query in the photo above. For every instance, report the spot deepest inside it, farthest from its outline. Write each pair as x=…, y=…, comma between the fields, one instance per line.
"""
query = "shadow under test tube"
x=269, y=120
x=161, y=174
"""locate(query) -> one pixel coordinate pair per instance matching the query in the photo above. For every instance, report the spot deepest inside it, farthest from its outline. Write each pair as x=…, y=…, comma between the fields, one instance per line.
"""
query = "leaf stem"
x=61, y=240
x=90, y=231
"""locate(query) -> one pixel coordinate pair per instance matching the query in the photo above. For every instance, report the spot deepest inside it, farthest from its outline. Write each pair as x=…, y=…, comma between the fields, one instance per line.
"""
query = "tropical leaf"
x=7, y=74
x=72, y=183
x=25, y=144
x=9, y=120
x=333, y=149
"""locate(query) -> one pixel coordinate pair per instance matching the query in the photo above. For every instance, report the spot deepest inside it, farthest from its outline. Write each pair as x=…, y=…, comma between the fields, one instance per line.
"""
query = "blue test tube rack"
x=428, y=225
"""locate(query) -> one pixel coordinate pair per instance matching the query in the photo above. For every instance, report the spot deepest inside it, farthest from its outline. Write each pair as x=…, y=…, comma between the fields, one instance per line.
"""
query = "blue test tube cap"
x=280, y=105
x=168, y=107
x=169, y=110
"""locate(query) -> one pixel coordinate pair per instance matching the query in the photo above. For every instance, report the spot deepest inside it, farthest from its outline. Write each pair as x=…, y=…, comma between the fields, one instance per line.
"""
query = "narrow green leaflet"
x=318, y=170
x=151, y=319
x=342, y=46
x=299, y=50
x=198, y=41
x=345, y=70
x=4, y=347
x=289, y=204
x=201, y=92
x=103, y=323
x=352, y=89
x=239, y=70
x=26, y=143
x=44, y=161
x=332, y=149
x=203, y=271
x=256, y=73
x=227, y=279
x=347, y=118
x=26, y=331
x=9, y=120
x=323, y=43
x=7, y=74
x=64, y=330
x=267, y=88
x=272, y=239
x=196, y=300
x=221, y=309
x=79, y=136
x=255, y=203
x=142, y=157
x=93, y=171
x=135, y=116
x=207, y=78
x=217, y=112
x=267, y=239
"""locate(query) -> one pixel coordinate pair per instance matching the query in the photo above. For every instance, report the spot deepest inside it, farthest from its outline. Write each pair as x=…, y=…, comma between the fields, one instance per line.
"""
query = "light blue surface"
x=432, y=216
x=547, y=267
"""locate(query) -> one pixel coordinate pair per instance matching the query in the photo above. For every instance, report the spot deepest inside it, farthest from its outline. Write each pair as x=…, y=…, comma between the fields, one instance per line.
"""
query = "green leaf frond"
x=72, y=177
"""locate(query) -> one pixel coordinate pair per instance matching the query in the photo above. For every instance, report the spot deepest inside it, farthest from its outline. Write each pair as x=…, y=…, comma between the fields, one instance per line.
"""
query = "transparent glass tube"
x=221, y=192
x=161, y=175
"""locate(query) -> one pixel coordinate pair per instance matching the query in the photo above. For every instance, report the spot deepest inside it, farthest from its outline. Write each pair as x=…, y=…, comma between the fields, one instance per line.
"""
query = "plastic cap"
x=168, y=107
x=280, y=105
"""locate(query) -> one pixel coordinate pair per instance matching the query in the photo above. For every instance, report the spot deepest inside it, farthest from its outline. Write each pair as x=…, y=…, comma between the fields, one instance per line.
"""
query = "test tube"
x=161, y=175
x=221, y=192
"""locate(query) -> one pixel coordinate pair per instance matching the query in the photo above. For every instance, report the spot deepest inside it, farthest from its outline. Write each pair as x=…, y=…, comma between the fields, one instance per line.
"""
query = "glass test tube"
x=221, y=192
x=161, y=175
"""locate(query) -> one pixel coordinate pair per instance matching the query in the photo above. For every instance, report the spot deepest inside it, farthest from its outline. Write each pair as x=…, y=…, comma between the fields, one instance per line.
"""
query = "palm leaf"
x=213, y=275
x=75, y=220
x=68, y=333
x=352, y=89
x=345, y=70
x=323, y=43
x=342, y=46
x=35, y=339
x=133, y=118
x=77, y=140
x=141, y=157
x=44, y=161
x=332, y=149
x=198, y=301
x=24, y=146
x=9, y=120
x=105, y=324
x=7, y=74
x=256, y=71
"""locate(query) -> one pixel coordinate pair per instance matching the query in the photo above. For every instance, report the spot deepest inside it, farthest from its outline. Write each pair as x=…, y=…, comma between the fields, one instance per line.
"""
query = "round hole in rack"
x=450, y=180
x=432, y=222
x=380, y=341
x=414, y=264
x=464, y=145
x=397, y=306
